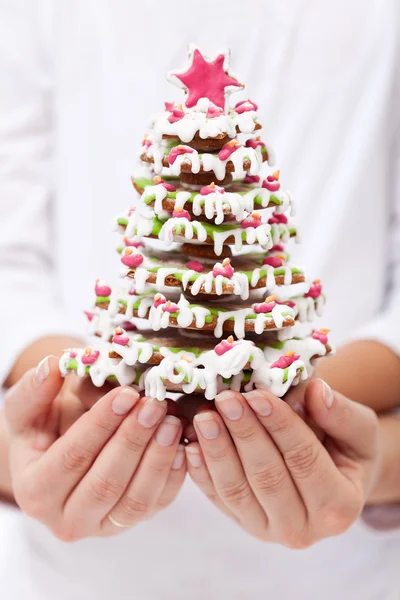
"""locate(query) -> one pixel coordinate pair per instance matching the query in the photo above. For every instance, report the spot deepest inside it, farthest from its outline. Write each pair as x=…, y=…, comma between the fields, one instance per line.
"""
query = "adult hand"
x=261, y=464
x=119, y=463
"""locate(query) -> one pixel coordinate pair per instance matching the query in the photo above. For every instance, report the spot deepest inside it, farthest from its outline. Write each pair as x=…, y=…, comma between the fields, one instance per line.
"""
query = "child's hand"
x=118, y=463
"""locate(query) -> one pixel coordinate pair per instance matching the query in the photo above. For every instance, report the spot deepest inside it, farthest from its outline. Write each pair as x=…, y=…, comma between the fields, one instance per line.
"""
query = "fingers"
x=226, y=471
x=175, y=480
x=151, y=475
x=311, y=468
x=352, y=425
x=263, y=464
x=28, y=402
x=65, y=463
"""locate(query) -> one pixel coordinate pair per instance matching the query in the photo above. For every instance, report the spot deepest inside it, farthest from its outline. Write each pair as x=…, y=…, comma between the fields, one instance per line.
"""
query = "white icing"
x=160, y=319
x=188, y=229
x=136, y=351
x=239, y=318
x=204, y=283
x=272, y=379
x=309, y=309
x=194, y=121
x=103, y=368
x=252, y=235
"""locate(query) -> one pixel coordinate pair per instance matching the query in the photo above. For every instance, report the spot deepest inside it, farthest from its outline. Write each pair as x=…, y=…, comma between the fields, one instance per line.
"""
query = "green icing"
x=142, y=182
x=285, y=375
x=102, y=299
x=276, y=345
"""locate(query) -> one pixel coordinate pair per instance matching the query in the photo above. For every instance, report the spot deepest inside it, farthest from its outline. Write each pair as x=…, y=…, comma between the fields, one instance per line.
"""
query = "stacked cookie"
x=204, y=258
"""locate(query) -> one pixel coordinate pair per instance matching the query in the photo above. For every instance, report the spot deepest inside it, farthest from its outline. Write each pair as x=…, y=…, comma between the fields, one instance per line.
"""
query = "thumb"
x=352, y=426
x=29, y=402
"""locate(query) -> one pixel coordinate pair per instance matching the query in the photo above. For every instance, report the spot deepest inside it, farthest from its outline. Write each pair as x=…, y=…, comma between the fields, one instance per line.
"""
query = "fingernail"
x=190, y=433
x=229, y=405
x=166, y=433
x=124, y=401
x=194, y=457
x=151, y=413
x=299, y=409
x=179, y=458
x=259, y=403
x=327, y=394
x=207, y=425
x=42, y=370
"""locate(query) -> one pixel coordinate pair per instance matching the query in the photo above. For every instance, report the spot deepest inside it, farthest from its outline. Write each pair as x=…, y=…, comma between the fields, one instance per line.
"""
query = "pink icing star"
x=285, y=361
x=194, y=265
x=205, y=79
x=169, y=106
x=177, y=151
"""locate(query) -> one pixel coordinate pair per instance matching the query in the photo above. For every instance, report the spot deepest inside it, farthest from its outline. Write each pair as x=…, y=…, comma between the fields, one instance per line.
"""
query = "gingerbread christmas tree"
x=208, y=298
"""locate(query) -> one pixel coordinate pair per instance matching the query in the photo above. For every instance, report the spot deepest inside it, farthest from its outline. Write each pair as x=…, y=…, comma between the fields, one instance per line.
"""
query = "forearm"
x=387, y=486
x=5, y=479
x=365, y=371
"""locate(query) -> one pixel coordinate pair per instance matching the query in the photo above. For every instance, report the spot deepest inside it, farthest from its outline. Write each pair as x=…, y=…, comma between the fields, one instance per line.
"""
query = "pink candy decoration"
x=168, y=186
x=321, y=336
x=181, y=213
x=73, y=354
x=158, y=300
x=132, y=244
x=177, y=151
x=128, y=326
x=213, y=112
x=225, y=269
x=290, y=304
x=253, y=220
x=177, y=115
x=205, y=79
x=271, y=184
x=264, y=307
x=224, y=346
x=273, y=261
x=284, y=362
x=89, y=315
x=278, y=219
x=120, y=338
x=147, y=143
x=131, y=258
x=255, y=143
x=131, y=211
x=170, y=307
x=90, y=356
x=249, y=179
x=228, y=149
x=278, y=248
x=315, y=290
x=169, y=106
x=211, y=189
x=102, y=289
x=245, y=106
x=194, y=265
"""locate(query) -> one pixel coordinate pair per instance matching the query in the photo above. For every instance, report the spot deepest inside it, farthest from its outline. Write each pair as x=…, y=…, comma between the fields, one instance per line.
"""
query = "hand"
x=261, y=464
x=119, y=463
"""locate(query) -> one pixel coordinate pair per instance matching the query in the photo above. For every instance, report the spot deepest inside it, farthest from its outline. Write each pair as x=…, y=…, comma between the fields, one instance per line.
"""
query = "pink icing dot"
x=147, y=143
x=224, y=270
x=322, y=337
x=128, y=326
x=181, y=213
x=284, y=362
x=278, y=248
x=278, y=219
x=169, y=106
x=120, y=338
x=264, y=307
x=89, y=315
x=177, y=151
x=249, y=179
x=90, y=358
x=132, y=244
x=271, y=184
x=194, y=265
x=131, y=259
x=158, y=300
x=314, y=291
x=102, y=289
x=214, y=111
x=73, y=354
x=170, y=307
x=228, y=149
x=211, y=189
x=254, y=144
x=251, y=221
x=177, y=115
x=273, y=261
x=168, y=186
x=223, y=347
x=245, y=106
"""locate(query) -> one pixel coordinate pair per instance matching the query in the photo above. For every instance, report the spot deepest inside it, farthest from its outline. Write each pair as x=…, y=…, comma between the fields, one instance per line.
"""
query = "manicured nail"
x=179, y=458
x=42, y=370
x=327, y=394
x=194, y=457
x=229, y=405
x=124, y=401
x=259, y=403
x=167, y=431
x=207, y=425
x=151, y=413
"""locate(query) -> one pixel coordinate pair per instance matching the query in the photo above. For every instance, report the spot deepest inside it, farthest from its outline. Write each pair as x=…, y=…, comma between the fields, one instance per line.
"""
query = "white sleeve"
x=28, y=305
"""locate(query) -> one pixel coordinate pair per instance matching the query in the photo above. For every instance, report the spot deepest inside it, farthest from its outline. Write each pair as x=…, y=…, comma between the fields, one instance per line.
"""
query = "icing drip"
x=178, y=227
x=136, y=351
x=185, y=315
x=308, y=309
x=277, y=316
x=256, y=235
x=103, y=368
x=204, y=283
